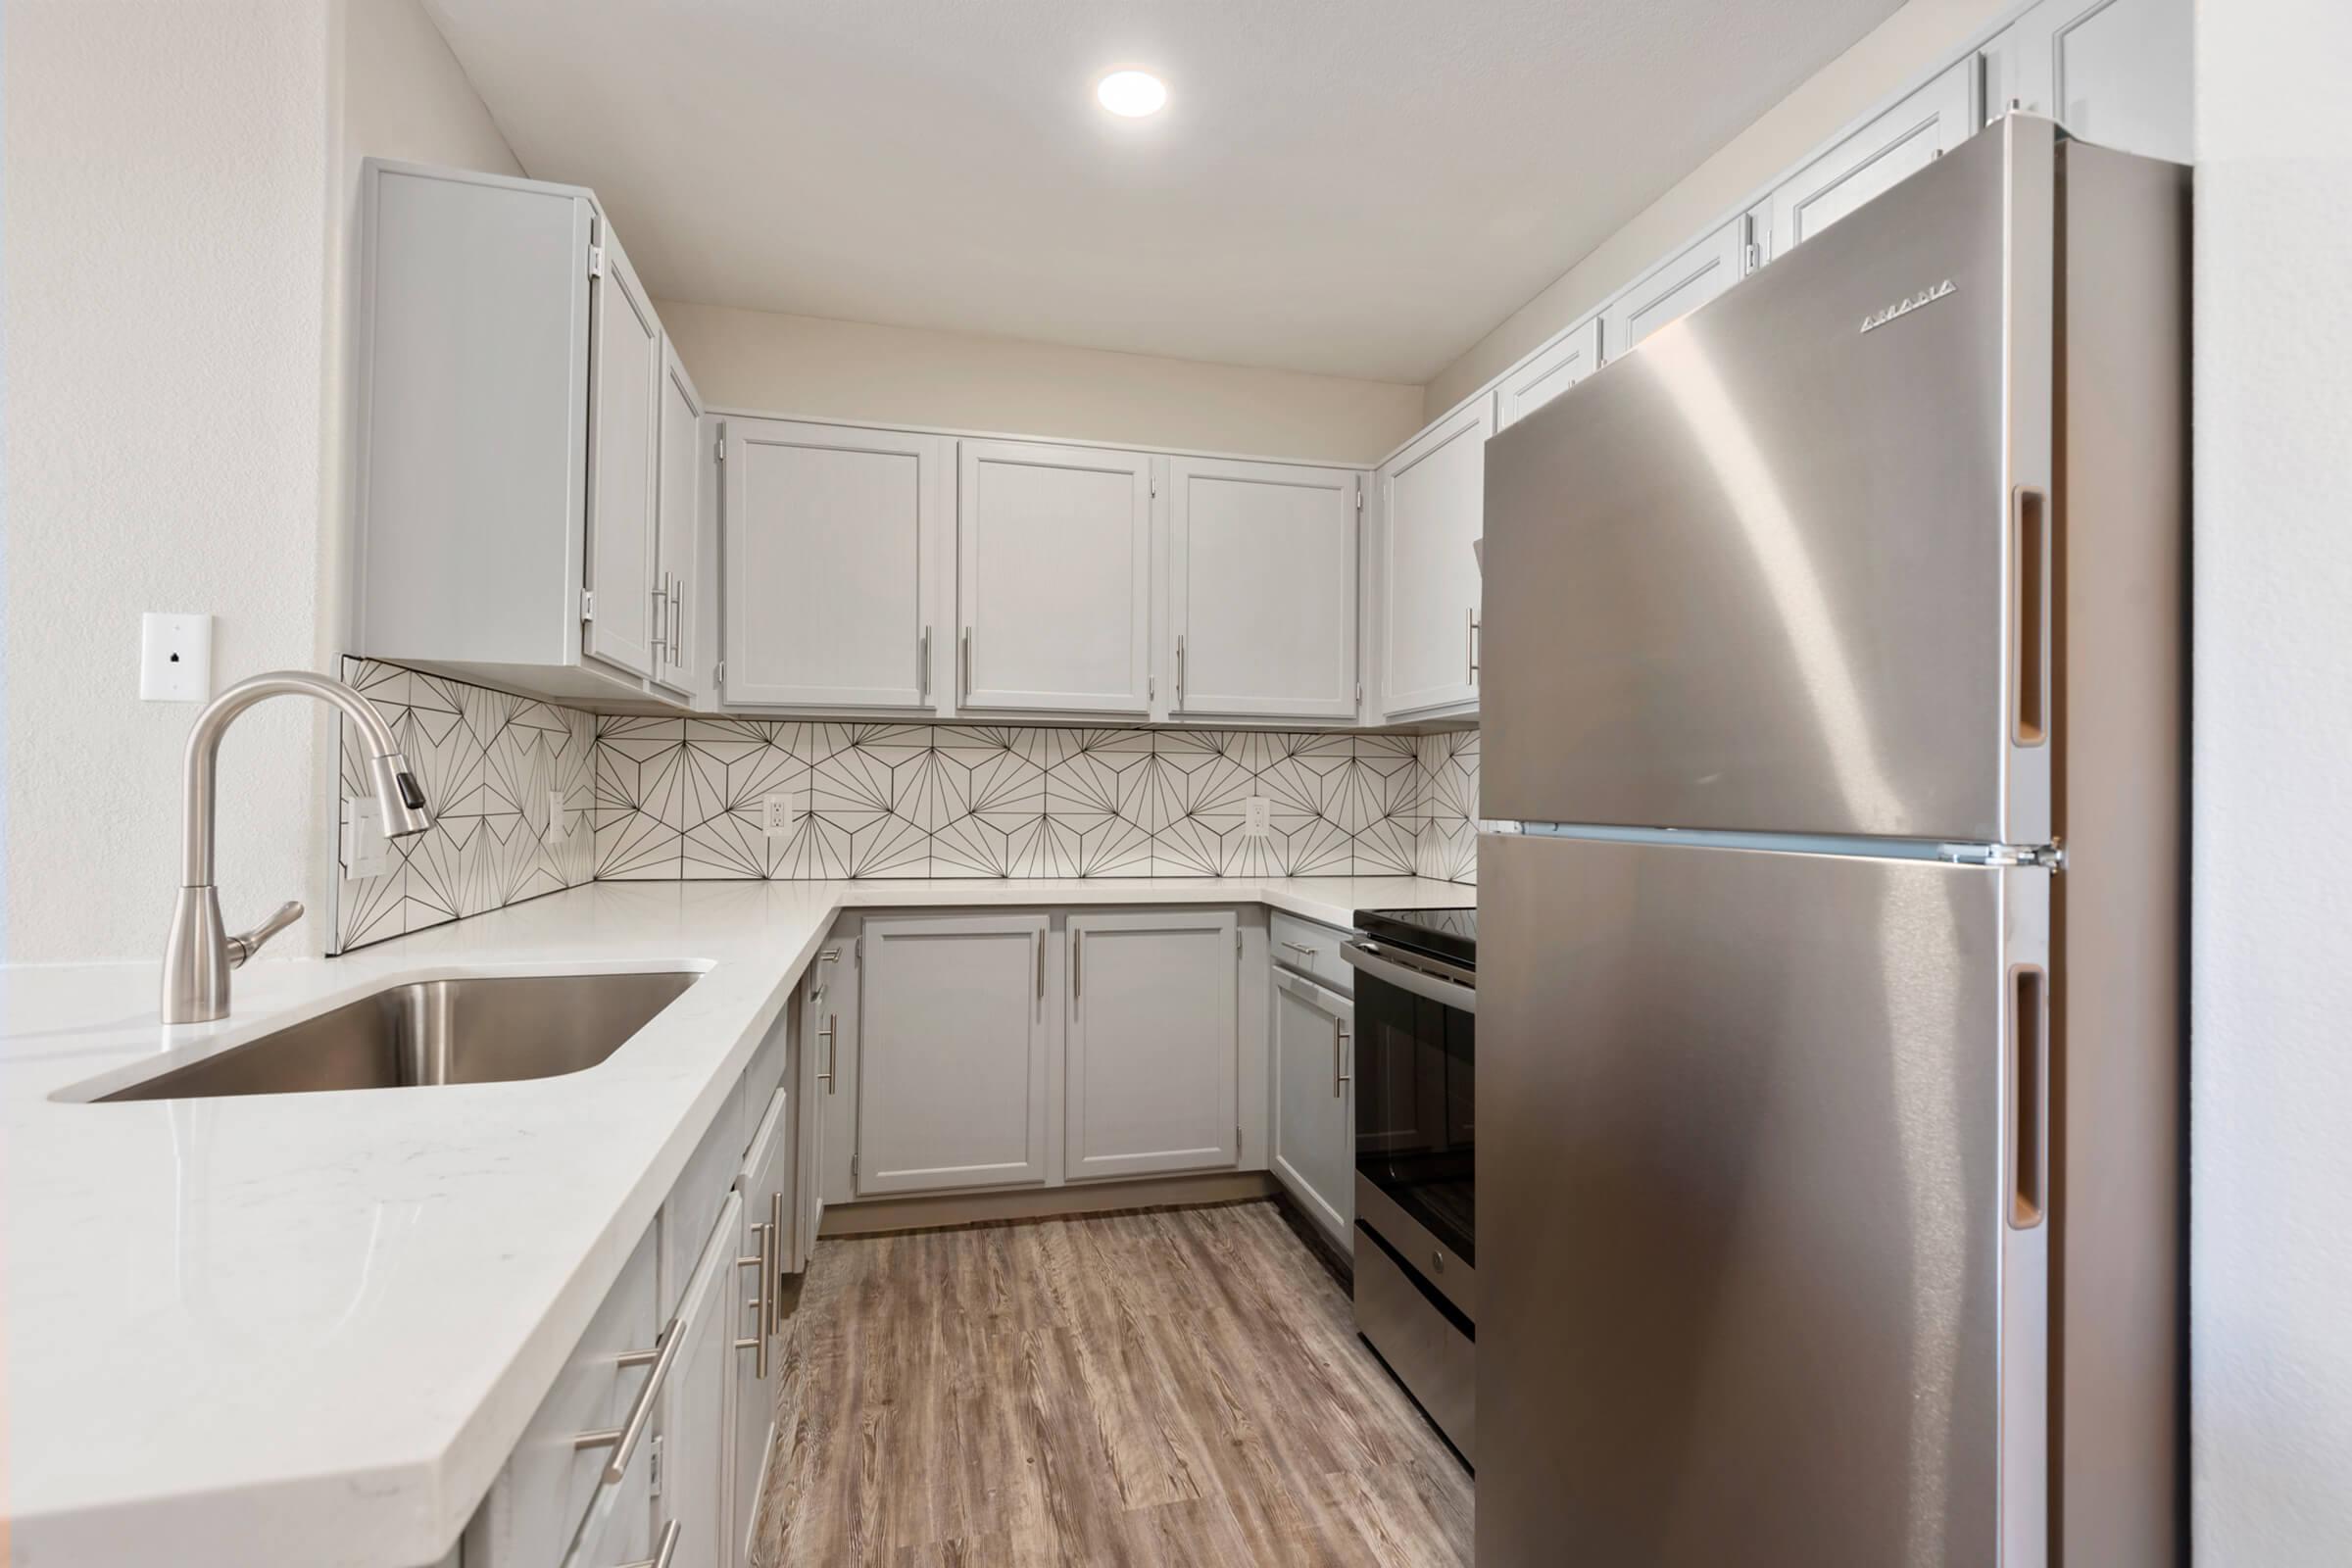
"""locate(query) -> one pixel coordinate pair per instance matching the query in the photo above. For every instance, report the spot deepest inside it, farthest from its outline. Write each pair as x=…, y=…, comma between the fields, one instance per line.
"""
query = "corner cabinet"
x=1054, y=579
x=1153, y=1044
x=952, y=1053
x=1261, y=590
x=1433, y=511
x=832, y=581
x=510, y=407
x=1314, y=1101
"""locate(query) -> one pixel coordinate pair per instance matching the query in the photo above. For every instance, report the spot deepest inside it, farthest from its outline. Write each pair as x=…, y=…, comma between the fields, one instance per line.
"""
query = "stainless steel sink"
x=493, y=1030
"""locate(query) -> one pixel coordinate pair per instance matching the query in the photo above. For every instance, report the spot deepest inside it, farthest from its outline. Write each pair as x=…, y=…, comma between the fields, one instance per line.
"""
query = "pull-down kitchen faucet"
x=200, y=952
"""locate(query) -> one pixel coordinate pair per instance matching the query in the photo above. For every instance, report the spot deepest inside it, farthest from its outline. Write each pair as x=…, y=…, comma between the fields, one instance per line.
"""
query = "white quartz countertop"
x=308, y=1329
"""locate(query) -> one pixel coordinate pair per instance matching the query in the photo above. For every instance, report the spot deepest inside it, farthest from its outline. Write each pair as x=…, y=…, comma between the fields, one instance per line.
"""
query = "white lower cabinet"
x=1314, y=1101
x=694, y=1469
x=952, y=1056
x=762, y=1228
x=1153, y=1043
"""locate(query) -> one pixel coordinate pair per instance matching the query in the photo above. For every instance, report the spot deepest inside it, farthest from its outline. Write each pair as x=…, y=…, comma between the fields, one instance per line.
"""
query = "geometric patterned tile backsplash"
x=487, y=761
x=682, y=797
x=670, y=798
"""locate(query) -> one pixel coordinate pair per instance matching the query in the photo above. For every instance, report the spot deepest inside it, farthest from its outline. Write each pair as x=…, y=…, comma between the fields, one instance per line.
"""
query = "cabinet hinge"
x=718, y=446
x=587, y=607
x=1237, y=943
x=1755, y=256
x=1152, y=688
x=1155, y=487
x=1359, y=694
x=852, y=1168
x=653, y=1466
x=595, y=260
x=1360, y=495
x=1237, y=1137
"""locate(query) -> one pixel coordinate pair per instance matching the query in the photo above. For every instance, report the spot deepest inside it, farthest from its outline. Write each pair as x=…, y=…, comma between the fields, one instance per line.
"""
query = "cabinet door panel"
x=1435, y=506
x=952, y=1053
x=1674, y=288
x=677, y=526
x=1561, y=364
x=1314, y=1122
x=624, y=388
x=1153, y=1043
x=829, y=537
x=698, y=1404
x=1055, y=573
x=1263, y=603
x=2112, y=72
x=1898, y=143
x=767, y=1189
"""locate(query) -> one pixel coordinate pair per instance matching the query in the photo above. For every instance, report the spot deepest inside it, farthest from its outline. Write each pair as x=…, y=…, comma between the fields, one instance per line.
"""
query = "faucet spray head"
x=398, y=796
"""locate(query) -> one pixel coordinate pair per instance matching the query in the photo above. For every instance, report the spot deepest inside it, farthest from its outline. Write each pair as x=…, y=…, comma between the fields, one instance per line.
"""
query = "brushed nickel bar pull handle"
x=776, y=1262
x=2029, y=1096
x=922, y=666
x=1302, y=950
x=1077, y=964
x=763, y=1309
x=1471, y=648
x=1039, y=943
x=1180, y=669
x=677, y=623
x=963, y=668
x=667, y=1553
x=832, y=1038
x=1339, y=1051
x=2030, y=606
x=623, y=1440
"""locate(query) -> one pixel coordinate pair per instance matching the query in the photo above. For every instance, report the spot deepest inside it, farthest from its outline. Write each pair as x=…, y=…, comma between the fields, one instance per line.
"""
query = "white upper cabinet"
x=510, y=386
x=952, y=1053
x=1154, y=1044
x=2112, y=72
x=1054, y=579
x=677, y=531
x=1261, y=601
x=1674, y=288
x=831, y=544
x=1546, y=374
x=625, y=393
x=1900, y=142
x=1434, y=507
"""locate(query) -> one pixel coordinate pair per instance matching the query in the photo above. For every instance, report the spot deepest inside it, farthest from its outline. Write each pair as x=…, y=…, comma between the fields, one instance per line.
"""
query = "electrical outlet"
x=367, y=851
x=1258, y=817
x=557, y=832
x=175, y=658
x=775, y=815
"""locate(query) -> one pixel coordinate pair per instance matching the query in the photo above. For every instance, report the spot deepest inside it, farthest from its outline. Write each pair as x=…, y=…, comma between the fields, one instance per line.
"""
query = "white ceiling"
x=1360, y=187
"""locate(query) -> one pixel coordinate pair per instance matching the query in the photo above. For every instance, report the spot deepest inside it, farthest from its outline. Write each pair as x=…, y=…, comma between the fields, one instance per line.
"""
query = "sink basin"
x=478, y=1031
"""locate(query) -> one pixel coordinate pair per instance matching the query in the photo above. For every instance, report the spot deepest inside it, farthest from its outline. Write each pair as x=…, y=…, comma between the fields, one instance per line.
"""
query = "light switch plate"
x=367, y=851
x=175, y=658
x=1257, y=817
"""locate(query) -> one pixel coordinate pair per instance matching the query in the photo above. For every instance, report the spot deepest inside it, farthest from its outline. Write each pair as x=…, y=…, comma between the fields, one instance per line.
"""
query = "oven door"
x=1415, y=1034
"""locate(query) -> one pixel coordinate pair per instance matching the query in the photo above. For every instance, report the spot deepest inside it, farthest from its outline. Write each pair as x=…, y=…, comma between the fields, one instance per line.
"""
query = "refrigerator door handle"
x=2029, y=1096
x=2029, y=611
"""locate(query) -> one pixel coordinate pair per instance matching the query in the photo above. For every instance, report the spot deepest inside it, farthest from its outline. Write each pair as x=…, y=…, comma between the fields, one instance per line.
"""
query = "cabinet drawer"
x=550, y=1485
x=693, y=1204
x=1313, y=951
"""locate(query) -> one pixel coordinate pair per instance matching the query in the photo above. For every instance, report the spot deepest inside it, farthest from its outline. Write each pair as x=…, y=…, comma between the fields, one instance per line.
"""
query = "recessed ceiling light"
x=1133, y=93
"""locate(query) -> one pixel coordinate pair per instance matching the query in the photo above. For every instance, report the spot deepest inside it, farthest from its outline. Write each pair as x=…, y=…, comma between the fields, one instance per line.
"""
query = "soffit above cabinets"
x=1354, y=187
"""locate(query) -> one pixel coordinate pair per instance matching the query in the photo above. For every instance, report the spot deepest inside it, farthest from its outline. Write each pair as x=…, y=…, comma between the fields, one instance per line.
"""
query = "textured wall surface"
x=2271, y=1047
x=165, y=178
x=773, y=364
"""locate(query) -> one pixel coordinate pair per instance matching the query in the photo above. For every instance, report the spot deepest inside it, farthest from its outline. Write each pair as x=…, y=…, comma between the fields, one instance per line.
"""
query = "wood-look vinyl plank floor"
x=1171, y=1389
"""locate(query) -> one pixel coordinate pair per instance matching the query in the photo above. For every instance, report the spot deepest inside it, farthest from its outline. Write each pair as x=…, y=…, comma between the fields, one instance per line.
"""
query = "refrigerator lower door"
x=1761, y=1208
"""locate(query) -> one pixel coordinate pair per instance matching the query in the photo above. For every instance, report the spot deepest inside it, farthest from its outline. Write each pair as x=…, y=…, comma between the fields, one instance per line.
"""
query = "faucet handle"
x=241, y=948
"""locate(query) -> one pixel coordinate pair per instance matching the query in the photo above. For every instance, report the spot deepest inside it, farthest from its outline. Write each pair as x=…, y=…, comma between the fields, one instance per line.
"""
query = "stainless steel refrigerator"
x=1831, y=1165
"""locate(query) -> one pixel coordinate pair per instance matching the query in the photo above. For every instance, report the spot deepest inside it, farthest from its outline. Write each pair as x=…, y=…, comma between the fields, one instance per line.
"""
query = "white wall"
x=908, y=375
x=1887, y=59
x=165, y=182
x=2270, y=1049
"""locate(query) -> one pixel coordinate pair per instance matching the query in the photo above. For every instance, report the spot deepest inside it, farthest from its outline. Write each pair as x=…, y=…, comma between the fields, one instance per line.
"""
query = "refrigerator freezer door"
x=1754, y=1283
x=1760, y=574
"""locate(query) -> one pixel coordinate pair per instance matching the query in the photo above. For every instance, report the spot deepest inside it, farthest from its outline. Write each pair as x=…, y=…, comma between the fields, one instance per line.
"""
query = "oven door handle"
x=1438, y=982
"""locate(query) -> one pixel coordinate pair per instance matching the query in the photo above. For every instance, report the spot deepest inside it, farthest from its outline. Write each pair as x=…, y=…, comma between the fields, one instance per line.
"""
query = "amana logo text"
x=1926, y=296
